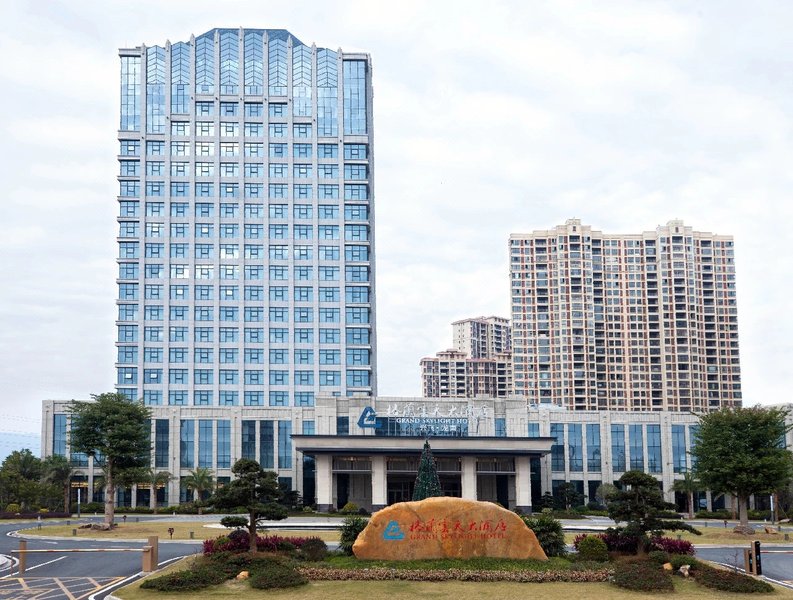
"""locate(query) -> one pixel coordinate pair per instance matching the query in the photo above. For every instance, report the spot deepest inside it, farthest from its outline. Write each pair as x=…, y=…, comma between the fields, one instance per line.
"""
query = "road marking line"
x=64, y=588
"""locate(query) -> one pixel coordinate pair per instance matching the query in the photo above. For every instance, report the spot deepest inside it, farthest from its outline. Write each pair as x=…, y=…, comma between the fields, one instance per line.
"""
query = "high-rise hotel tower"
x=643, y=321
x=246, y=228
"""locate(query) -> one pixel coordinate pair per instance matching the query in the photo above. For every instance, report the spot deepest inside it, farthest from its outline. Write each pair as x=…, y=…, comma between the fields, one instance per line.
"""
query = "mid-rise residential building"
x=480, y=364
x=246, y=237
x=482, y=337
x=644, y=321
x=452, y=374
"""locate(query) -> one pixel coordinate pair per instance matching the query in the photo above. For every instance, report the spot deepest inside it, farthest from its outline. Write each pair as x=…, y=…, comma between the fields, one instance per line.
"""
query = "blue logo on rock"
x=368, y=418
x=393, y=532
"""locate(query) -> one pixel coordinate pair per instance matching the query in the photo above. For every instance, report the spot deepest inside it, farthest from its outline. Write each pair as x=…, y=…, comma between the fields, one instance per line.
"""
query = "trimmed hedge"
x=730, y=581
x=195, y=578
x=277, y=575
x=237, y=541
x=34, y=515
x=642, y=576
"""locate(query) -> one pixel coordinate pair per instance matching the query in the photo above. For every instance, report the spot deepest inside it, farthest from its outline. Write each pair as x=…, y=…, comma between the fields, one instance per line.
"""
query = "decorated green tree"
x=427, y=483
x=255, y=490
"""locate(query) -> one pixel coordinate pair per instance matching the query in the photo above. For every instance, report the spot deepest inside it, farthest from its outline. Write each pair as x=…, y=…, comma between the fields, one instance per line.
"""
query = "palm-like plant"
x=688, y=485
x=57, y=471
x=199, y=480
x=156, y=479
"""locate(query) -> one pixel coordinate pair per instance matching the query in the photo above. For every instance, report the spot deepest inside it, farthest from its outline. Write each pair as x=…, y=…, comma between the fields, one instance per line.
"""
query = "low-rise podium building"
x=366, y=449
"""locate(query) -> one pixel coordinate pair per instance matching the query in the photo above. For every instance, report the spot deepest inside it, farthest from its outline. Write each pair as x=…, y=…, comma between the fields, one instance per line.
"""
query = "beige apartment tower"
x=643, y=321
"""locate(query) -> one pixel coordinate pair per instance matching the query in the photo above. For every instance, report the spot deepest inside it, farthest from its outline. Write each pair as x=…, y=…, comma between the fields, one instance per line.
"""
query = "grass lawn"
x=712, y=535
x=387, y=590
x=182, y=531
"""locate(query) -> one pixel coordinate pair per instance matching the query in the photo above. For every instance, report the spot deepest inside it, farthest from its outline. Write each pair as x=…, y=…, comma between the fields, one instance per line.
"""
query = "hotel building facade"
x=246, y=228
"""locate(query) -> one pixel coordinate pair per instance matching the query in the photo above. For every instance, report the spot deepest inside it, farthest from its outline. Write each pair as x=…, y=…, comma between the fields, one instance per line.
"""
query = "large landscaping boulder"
x=446, y=528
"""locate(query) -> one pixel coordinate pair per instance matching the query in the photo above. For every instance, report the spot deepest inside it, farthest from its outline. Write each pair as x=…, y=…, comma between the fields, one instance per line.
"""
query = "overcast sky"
x=490, y=118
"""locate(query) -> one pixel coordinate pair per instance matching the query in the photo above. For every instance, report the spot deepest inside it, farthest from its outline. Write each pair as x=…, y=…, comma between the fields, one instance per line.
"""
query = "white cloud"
x=490, y=118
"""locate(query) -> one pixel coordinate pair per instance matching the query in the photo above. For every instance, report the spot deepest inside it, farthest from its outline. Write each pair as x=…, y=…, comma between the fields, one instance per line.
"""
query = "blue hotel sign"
x=422, y=420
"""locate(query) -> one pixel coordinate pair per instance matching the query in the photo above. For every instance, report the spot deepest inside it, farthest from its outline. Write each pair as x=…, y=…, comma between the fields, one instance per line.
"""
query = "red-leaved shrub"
x=624, y=543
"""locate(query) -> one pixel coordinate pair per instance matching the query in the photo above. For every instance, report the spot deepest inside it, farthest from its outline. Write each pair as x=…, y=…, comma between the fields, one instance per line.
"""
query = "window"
x=277, y=150
x=304, y=336
x=328, y=171
x=355, y=152
x=557, y=448
x=277, y=130
x=329, y=253
x=357, y=378
x=284, y=444
x=329, y=336
x=593, y=447
x=267, y=440
x=575, y=447
x=679, y=448
x=301, y=130
x=355, y=172
x=654, y=458
x=636, y=439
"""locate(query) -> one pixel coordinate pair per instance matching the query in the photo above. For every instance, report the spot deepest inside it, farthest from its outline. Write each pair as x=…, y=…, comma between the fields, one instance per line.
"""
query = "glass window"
x=636, y=439
x=284, y=445
x=679, y=448
x=618, y=459
x=557, y=448
x=593, y=454
x=266, y=444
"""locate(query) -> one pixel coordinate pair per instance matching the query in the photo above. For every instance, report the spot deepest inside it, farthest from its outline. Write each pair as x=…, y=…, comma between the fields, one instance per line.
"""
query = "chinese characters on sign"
x=457, y=529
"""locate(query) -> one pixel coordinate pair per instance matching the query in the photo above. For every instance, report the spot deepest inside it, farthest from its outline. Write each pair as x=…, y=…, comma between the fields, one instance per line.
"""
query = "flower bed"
x=387, y=574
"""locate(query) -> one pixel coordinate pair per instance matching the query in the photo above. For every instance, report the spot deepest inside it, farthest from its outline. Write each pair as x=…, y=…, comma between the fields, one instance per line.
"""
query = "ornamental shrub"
x=314, y=550
x=678, y=560
x=672, y=546
x=349, y=509
x=351, y=527
x=195, y=578
x=13, y=508
x=549, y=534
x=730, y=581
x=658, y=557
x=642, y=576
x=592, y=548
x=237, y=541
x=276, y=575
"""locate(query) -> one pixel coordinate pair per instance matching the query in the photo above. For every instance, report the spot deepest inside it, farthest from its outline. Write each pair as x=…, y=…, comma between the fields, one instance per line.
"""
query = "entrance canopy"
x=313, y=445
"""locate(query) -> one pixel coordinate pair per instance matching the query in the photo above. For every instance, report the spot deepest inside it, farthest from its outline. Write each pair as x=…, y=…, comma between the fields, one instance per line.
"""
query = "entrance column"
x=523, y=484
x=324, y=478
x=379, y=483
x=468, y=478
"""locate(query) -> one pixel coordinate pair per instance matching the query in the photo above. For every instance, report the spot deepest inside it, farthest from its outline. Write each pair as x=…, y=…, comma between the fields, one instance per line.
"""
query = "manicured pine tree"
x=427, y=483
